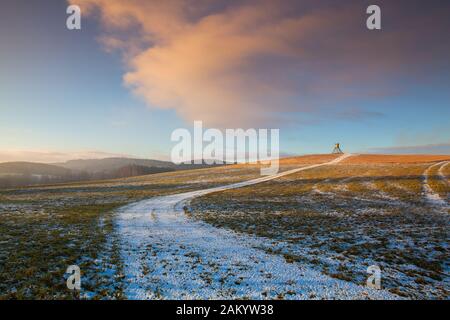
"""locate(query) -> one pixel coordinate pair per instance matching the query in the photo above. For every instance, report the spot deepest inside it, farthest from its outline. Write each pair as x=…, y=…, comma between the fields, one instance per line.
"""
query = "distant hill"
x=13, y=174
x=109, y=164
x=32, y=168
x=17, y=174
x=135, y=170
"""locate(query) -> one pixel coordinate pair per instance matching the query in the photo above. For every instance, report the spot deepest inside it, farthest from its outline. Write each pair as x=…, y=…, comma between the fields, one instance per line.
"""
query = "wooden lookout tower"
x=337, y=149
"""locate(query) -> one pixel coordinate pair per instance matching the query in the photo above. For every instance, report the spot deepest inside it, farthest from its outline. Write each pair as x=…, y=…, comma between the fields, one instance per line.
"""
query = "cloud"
x=46, y=156
x=439, y=148
x=232, y=63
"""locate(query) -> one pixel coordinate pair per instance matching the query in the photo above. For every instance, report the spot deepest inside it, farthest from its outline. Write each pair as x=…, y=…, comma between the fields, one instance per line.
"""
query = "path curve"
x=441, y=174
x=169, y=256
x=432, y=197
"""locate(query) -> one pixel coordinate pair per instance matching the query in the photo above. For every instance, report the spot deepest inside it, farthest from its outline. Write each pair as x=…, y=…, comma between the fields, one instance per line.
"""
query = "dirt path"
x=167, y=255
x=441, y=174
x=431, y=196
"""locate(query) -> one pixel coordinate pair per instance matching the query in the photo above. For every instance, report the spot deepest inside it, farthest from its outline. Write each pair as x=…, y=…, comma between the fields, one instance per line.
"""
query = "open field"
x=168, y=255
x=47, y=228
x=333, y=220
x=391, y=211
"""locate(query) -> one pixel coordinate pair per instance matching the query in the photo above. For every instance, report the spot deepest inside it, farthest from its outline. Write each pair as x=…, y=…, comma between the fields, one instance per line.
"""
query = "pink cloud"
x=242, y=62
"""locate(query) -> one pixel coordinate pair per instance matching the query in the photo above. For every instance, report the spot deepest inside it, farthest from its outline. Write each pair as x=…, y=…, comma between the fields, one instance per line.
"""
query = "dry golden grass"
x=338, y=212
x=308, y=159
x=290, y=162
x=438, y=181
x=43, y=229
x=446, y=171
x=340, y=218
x=385, y=158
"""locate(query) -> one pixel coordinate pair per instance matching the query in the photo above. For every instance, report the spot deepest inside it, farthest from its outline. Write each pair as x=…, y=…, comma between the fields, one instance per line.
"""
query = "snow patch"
x=169, y=256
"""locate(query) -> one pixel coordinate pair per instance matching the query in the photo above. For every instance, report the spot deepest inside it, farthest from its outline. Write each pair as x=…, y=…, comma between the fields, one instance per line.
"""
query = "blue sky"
x=62, y=91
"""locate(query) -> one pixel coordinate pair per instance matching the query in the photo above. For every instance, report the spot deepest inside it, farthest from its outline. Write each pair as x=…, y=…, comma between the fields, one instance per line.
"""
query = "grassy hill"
x=16, y=174
x=338, y=219
x=110, y=164
x=31, y=168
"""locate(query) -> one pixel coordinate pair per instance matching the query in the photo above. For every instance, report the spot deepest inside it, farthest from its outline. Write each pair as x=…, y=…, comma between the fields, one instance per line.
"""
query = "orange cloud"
x=241, y=63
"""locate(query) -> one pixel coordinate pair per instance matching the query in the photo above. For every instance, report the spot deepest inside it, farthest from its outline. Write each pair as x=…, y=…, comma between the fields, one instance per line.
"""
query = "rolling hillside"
x=322, y=223
x=21, y=168
x=16, y=174
x=110, y=164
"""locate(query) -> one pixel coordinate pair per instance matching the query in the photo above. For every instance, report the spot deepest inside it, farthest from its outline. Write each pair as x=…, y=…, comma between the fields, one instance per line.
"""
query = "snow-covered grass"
x=316, y=229
x=341, y=219
x=45, y=229
x=38, y=243
x=169, y=256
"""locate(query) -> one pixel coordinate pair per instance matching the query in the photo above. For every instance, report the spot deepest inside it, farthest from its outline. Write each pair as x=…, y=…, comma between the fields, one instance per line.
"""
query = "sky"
x=137, y=70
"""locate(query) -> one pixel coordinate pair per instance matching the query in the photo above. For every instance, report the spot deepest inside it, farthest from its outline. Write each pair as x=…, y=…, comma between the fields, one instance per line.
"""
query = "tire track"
x=167, y=255
x=442, y=175
x=433, y=198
